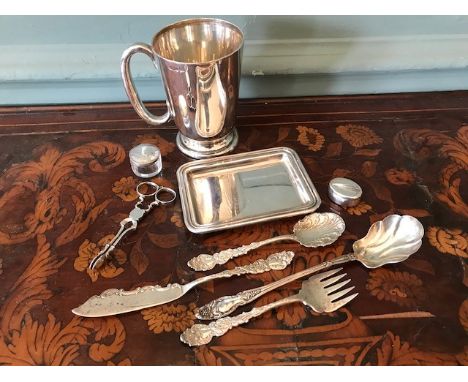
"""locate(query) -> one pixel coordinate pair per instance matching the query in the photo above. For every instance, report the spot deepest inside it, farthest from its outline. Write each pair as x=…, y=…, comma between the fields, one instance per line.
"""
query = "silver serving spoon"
x=390, y=240
x=314, y=230
x=116, y=301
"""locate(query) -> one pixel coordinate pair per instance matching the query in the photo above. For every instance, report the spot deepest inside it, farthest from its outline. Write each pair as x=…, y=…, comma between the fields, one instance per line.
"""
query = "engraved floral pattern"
x=360, y=209
x=403, y=288
x=89, y=250
x=311, y=138
x=304, y=258
x=357, y=135
x=400, y=176
x=125, y=188
x=169, y=317
x=446, y=240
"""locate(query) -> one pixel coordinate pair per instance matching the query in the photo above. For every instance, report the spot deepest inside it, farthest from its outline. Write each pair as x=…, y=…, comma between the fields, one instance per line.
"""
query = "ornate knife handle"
x=206, y=262
x=201, y=334
x=276, y=261
x=225, y=305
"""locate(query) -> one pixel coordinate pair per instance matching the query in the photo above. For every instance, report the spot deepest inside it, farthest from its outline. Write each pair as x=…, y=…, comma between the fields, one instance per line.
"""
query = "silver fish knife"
x=117, y=301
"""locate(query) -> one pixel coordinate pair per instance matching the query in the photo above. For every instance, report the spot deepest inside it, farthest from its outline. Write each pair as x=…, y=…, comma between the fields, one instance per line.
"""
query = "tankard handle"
x=130, y=86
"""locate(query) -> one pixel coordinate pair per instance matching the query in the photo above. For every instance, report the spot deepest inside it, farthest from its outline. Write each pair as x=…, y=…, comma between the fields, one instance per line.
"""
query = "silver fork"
x=319, y=292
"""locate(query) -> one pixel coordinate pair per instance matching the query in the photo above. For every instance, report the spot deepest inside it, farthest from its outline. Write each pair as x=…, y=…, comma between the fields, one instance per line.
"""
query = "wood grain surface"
x=65, y=183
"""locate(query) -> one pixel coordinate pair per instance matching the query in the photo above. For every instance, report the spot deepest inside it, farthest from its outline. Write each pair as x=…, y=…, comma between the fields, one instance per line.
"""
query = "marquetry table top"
x=66, y=182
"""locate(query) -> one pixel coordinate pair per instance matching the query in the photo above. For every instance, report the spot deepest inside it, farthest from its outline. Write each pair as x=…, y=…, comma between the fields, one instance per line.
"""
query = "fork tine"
x=338, y=304
x=335, y=296
x=333, y=280
x=324, y=275
x=335, y=287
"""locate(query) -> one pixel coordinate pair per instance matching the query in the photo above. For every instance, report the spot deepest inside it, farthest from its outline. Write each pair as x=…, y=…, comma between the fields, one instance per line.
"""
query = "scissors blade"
x=117, y=301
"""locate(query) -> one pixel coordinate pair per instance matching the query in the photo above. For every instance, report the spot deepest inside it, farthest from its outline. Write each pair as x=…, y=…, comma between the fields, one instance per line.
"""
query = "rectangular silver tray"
x=247, y=188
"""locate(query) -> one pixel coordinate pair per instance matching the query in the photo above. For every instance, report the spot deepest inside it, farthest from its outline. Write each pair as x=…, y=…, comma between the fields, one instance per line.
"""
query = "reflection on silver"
x=314, y=230
x=211, y=100
x=344, y=192
x=145, y=160
x=117, y=301
x=200, y=61
x=160, y=196
x=320, y=293
x=245, y=188
x=390, y=240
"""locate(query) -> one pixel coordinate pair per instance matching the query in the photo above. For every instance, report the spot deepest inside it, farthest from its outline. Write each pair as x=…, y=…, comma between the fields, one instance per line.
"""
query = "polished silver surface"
x=154, y=192
x=117, y=301
x=344, y=192
x=320, y=293
x=314, y=230
x=242, y=189
x=145, y=160
x=200, y=62
x=391, y=240
x=207, y=149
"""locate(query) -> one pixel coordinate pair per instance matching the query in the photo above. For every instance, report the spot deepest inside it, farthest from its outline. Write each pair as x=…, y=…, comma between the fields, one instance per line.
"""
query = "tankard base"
x=207, y=149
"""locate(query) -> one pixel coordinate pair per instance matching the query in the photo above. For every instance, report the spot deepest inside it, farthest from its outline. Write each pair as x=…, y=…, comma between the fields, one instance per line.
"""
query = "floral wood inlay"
x=47, y=180
x=360, y=209
x=169, y=317
x=310, y=138
x=358, y=136
x=125, y=188
x=399, y=176
x=89, y=250
x=451, y=241
x=58, y=169
x=401, y=287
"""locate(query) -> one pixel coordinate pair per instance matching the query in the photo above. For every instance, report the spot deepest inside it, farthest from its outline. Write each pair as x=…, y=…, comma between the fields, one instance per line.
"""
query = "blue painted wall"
x=75, y=59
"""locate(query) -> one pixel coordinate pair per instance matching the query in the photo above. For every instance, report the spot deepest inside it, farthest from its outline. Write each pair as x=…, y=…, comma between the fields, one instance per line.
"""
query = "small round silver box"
x=344, y=192
x=145, y=160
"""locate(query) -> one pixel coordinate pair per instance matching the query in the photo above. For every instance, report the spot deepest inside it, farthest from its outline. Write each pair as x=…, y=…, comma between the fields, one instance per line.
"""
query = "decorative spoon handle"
x=276, y=261
x=206, y=262
x=201, y=334
x=225, y=305
x=117, y=301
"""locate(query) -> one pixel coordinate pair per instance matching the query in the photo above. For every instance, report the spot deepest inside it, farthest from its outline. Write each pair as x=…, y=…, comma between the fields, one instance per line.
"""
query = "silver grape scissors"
x=131, y=223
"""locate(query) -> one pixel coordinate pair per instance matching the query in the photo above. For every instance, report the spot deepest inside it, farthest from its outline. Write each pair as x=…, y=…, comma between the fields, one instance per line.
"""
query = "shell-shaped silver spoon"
x=314, y=230
x=390, y=240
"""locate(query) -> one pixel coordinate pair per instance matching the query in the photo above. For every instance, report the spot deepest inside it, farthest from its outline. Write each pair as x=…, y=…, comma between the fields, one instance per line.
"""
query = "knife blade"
x=118, y=301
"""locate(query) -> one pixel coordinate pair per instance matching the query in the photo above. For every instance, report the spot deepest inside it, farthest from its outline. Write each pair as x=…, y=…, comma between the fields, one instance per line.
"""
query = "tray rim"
x=203, y=228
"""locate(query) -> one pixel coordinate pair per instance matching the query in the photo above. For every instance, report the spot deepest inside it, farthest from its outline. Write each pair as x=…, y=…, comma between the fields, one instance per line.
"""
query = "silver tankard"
x=200, y=62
